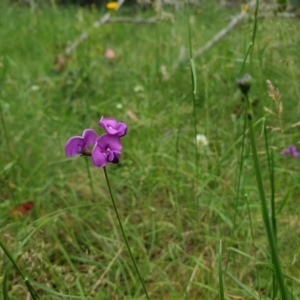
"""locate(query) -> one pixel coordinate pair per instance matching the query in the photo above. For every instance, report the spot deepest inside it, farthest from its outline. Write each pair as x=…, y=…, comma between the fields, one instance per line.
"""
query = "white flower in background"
x=138, y=88
x=35, y=88
x=164, y=72
x=119, y=105
x=201, y=140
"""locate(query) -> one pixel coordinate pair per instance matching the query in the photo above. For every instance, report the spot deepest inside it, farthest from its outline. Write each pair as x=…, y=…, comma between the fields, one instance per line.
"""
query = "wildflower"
x=107, y=149
x=201, y=140
x=290, y=150
x=35, y=87
x=164, y=72
x=109, y=53
x=245, y=8
x=113, y=127
x=138, y=88
x=79, y=144
x=244, y=83
x=112, y=5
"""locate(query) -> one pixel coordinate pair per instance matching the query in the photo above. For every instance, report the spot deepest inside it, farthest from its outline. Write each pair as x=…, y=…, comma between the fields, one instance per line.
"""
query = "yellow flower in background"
x=112, y=5
x=245, y=7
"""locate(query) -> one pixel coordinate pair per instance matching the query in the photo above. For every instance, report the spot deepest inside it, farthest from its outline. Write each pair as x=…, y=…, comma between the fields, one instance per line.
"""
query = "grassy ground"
x=70, y=244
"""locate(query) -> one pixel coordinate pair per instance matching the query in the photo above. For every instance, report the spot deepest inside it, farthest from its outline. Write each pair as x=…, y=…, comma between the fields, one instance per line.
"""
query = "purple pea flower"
x=79, y=144
x=290, y=150
x=107, y=149
x=113, y=127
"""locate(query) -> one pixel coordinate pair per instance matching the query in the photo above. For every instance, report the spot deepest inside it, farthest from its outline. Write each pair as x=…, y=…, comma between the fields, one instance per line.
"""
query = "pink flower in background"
x=109, y=53
x=290, y=150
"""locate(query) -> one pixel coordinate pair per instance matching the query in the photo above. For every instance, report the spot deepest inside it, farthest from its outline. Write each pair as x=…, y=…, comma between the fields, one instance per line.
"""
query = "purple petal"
x=89, y=136
x=291, y=149
x=284, y=152
x=113, y=157
x=113, y=127
x=110, y=142
x=98, y=157
x=107, y=149
x=74, y=146
x=122, y=128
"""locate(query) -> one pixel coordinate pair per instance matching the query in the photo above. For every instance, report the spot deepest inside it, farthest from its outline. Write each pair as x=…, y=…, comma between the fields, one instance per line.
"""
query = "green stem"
x=254, y=28
x=240, y=177
x=273, y=213
x=238, y=188
x=194, y=92
x=221, y=284
x=264, y=207
x=25, y=279
x=252, y=239
x=124, y=236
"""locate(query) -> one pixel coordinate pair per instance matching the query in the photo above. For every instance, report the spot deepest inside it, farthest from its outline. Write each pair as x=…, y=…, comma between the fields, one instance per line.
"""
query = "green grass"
x=70, y=241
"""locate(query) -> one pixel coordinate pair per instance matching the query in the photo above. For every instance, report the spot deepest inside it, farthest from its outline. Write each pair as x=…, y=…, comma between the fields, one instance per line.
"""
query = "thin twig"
x=130, y=20
x=194, y=273
x=281, y=15
x=219, y=36
x=99, y=281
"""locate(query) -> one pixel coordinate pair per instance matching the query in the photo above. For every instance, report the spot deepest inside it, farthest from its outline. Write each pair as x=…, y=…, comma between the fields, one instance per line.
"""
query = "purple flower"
x=107, y=149
x=113, y=127
x=291, y=150
x=79, y=144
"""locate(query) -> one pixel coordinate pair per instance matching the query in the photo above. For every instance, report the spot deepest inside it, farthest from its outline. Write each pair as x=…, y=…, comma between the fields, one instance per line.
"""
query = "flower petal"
x=122, y=129
x=113, y=157
x=113, y=127
x=284, y=152
x=98, y=157
x=74, y=146
x=107, y=141
x=291, y=148
x=89, y=136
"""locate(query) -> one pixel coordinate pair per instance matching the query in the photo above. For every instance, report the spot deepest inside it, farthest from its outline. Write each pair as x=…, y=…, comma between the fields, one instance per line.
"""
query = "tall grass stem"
x=221, y=284
x=254, y=29
x=264, y=205
x=194, y=92
x=270, y=159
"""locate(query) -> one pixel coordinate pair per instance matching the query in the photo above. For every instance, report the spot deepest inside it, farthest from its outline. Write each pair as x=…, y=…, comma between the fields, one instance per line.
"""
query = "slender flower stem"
x=254, y=29
x=25, y=279
x=90, y=176
x=264, y=206
x=194, y=92
x=124, y=236
x=221, y=283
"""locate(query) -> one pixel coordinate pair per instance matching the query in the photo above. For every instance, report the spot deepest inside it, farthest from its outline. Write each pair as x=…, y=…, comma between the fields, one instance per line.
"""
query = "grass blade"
x=221, y=284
